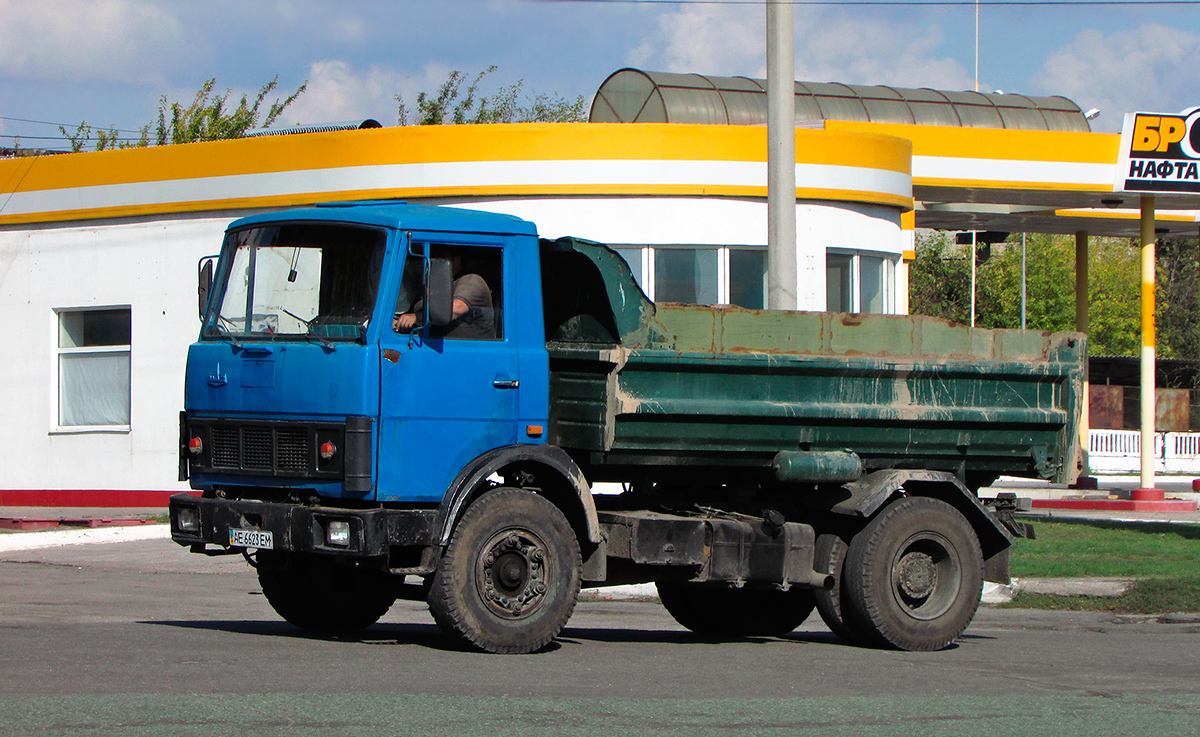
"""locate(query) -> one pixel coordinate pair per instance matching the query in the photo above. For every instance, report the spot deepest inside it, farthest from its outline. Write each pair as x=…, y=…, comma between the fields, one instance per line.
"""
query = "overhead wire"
x=64, y=125
x=895, y=3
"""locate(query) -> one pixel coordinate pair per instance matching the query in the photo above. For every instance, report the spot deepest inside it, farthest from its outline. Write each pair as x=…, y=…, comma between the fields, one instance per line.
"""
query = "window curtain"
x=94, y=389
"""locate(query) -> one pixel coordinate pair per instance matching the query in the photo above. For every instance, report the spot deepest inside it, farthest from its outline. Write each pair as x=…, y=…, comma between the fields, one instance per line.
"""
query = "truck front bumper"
x=199, y=522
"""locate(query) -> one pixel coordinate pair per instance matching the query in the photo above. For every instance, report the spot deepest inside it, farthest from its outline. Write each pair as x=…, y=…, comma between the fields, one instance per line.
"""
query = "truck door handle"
x=505, y=383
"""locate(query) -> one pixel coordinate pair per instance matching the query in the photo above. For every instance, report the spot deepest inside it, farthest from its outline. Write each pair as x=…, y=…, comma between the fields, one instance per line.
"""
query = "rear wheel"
x=316, y=594
x=719, y=611
x=830, y=557
x=510, y=576
x=913, y=575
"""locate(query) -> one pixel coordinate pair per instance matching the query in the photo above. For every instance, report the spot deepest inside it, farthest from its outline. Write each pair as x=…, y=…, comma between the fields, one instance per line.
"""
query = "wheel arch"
x=870, y=493
x=557, y=478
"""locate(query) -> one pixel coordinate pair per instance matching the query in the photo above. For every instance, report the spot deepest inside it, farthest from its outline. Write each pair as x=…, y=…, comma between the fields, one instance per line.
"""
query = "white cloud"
x=111, y=40
x=706, y=39
x=338, y=91
x=1146, y=68
x=829, y=47
x=873, y=51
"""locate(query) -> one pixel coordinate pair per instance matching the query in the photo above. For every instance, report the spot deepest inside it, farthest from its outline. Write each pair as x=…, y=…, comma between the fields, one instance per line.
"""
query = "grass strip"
x=1163, y=557
x=1088, y=548
x=1156, y=595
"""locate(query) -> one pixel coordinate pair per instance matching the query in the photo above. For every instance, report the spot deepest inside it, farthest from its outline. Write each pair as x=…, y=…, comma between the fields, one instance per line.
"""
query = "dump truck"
x=396, y=401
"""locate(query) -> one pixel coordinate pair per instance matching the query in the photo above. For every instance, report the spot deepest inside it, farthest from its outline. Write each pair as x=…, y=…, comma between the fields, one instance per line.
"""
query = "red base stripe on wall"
x=84, y=498
x=1117, y=505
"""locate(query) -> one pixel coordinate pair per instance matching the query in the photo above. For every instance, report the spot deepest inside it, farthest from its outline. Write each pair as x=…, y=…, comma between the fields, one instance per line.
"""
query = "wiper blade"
x=222, y=333
x=308, y=330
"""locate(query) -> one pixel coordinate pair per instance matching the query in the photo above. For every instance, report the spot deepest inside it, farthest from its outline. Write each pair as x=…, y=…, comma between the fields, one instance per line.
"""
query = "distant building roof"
x=635, y=96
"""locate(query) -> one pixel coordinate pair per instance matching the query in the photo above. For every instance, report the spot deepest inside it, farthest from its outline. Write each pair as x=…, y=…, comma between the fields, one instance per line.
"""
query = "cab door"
x=444, y=399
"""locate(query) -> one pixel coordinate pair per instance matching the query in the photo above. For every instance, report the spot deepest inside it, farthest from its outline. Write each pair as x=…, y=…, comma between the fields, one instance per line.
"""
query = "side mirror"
x=204, y=280
x=439, y=293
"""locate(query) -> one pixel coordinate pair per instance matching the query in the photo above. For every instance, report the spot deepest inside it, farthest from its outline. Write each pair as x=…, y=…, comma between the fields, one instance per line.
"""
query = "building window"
x=687, y=275
x=705, y=275
x=859, y=281
x=748, y=278
x=855, y=281
x=93, y=368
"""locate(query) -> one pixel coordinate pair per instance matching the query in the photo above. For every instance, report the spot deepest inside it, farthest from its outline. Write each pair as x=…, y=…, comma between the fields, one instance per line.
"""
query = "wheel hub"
x=513, y=573
x=917, y=575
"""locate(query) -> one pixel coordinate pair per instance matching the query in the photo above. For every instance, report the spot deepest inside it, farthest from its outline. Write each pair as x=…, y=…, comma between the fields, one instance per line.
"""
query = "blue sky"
x=109, y=61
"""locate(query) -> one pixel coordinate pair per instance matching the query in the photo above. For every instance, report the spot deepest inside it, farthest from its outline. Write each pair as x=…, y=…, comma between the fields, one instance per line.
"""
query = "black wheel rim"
x=511, y=573
x=926, y=576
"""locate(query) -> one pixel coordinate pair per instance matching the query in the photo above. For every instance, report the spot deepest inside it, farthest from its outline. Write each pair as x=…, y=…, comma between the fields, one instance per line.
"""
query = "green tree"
x=207, y=118
x=1177, y=308
x=105, y=139
x=1114, y=297
x=939, y=280
x=1050, y=294
x=452, y=105
x=940, y=285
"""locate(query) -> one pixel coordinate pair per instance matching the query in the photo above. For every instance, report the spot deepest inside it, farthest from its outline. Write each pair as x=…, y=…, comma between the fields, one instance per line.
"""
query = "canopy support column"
x=1081, y=326
x=782, y=279
x=1147, y=490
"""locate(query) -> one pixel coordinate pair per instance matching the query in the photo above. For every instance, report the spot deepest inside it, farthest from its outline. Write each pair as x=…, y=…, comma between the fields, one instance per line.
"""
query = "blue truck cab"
x=299, y=353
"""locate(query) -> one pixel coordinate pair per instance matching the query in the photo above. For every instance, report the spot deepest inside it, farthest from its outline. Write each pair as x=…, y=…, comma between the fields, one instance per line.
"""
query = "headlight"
x=188, y=519
x=338, y=533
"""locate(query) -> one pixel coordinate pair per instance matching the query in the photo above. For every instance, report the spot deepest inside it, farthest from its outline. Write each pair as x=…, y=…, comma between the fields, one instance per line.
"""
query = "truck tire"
x=316, y=594
x=718, y=611
x=913, y=575
x=509, y=578
x=829, y=557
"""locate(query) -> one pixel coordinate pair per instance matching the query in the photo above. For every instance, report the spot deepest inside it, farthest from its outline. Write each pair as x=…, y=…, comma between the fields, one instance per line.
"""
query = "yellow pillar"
x=1081, y=326
x=1147, y=356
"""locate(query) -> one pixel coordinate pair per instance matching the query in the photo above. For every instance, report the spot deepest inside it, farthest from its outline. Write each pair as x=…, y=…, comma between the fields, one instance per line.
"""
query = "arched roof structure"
x=636, y=96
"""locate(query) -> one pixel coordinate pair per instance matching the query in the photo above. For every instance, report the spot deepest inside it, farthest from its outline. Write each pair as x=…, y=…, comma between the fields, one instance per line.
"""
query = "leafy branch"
x=452, y=105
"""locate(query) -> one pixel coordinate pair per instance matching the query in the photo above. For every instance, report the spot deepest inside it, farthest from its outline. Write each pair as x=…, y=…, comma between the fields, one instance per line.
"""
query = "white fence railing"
x=1119, y=451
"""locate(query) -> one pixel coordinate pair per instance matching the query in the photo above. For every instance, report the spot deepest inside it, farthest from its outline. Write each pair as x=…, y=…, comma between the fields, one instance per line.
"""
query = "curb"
x=993, y=593
x=58, y=538
x=619, y=593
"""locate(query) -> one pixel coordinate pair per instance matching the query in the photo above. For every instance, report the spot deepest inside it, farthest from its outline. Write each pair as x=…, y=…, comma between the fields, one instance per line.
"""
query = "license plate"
x=251, y=539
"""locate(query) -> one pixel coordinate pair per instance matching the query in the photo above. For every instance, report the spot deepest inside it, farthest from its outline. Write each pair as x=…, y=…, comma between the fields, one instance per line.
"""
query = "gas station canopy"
x=1000, y=162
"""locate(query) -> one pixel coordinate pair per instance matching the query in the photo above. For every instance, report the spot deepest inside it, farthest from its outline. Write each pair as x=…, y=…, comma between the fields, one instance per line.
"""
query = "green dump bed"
x=723, y=389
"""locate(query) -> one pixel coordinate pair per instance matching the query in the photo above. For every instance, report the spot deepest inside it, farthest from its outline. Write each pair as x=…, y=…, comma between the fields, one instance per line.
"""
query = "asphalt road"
x=142, y=638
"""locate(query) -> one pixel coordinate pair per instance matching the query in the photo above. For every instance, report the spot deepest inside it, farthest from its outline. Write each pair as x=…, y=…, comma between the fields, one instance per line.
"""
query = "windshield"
x=309, y=280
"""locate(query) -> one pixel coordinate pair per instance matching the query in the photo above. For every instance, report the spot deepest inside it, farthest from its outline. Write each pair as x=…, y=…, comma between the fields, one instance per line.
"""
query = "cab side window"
x=478, y=293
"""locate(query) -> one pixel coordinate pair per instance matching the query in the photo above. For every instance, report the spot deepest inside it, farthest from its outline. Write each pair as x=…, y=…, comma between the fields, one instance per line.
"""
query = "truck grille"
x=251, y=448
x=290, y=449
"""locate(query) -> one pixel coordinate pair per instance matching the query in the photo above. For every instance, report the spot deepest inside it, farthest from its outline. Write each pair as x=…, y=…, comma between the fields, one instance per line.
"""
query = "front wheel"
x=718, y=611
x=510, y=576
x=316, y=594
x=913, y=575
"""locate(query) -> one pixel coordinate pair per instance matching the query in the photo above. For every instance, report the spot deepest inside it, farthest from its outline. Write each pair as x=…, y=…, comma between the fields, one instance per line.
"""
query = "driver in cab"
x=472, y=315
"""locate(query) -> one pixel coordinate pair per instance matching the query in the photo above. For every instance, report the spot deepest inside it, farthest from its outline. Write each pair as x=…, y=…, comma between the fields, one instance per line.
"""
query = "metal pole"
x=782, y=286
x=1082, y=326
x=1147, y=383
x=1022, y=281
x=1081, y=281
x=973, y=252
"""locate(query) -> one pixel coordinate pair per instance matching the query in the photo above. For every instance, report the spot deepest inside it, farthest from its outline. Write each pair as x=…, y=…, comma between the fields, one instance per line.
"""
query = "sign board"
x=1160, y=153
